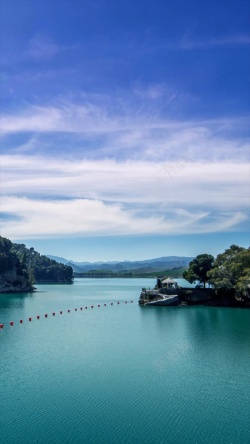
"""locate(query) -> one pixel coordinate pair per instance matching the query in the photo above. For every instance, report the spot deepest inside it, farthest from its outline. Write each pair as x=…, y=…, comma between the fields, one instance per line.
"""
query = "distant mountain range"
x=146, y=266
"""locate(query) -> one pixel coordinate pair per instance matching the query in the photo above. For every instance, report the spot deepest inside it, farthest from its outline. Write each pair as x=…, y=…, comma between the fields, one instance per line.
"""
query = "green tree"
x=232, y=270
x=29, y=264
x=198, y=269
x=5, y=245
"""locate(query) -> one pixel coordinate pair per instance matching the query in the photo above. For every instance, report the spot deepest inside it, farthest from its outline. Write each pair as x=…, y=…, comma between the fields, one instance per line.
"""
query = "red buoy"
x=46, y=315
x=30, y=319
x=21, y=321
x=38, y=317
x=11, y=323
x=1, y=325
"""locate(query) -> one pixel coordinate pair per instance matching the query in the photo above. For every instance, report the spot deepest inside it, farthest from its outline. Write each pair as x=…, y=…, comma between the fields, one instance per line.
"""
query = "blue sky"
x=125, y=126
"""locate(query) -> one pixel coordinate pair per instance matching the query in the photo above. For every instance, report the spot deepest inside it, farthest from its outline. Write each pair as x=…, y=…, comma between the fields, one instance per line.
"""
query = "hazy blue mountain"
x=59, y=259
x=62, y=260
x=157, y=264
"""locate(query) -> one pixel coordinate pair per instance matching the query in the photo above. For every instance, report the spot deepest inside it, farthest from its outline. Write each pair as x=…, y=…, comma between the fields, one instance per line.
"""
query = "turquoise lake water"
x=121, y=373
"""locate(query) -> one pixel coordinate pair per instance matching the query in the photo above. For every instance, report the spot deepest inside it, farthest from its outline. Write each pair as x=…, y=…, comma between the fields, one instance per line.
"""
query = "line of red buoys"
x=46, y=314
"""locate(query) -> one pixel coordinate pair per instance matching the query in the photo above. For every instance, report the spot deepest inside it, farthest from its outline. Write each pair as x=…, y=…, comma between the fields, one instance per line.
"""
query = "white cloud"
x=70, y=117
x=36, y=218
x=123, y=131
x=100, y=118
x=189, y=42
x=152, y=92
x=130, y=197
x=124, y=172
x=217, y=184
x=41, y=47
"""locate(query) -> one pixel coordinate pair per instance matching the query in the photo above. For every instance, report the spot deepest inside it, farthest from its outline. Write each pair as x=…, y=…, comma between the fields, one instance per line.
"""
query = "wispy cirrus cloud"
x=190, y=42
x=230, y=40
x=214, y=184
x=42, y=48
x=109, y=197
x=152, y=92
x=118, y=125
x=110, y=161
x=30, y=218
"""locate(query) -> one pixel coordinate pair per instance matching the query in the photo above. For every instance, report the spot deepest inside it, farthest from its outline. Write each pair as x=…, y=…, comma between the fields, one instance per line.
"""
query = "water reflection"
x=162, y=316
x=214, y=321
x=13, y=300
x=175, y=372
x=202, y=324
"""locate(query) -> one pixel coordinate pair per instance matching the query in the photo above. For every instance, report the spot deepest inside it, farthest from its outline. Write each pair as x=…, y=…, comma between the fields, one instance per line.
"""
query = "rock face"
x=163, y=296
x=12, y=282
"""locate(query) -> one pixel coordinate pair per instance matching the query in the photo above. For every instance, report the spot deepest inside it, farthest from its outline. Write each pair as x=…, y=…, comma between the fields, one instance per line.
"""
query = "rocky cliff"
x=12, y=282
x=14, y=276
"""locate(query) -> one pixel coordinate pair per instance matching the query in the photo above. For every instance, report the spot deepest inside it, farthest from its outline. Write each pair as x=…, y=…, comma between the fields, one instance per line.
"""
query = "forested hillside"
x=20, y=262
x=14, y=276
x=41, y=268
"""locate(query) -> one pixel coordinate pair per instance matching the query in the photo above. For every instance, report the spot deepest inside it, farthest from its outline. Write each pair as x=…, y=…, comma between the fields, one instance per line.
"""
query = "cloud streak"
x=110, y=130
x=121, y=169
x=127, y=181
x=29, y=218
x=61, y=197
x=188, y=43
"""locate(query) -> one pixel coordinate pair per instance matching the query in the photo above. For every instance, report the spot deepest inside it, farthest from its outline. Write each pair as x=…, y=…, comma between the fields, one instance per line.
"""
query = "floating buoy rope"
x=54, y=313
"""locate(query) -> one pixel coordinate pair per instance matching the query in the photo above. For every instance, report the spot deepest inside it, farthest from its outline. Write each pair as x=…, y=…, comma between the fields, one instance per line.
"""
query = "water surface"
x=121, y=373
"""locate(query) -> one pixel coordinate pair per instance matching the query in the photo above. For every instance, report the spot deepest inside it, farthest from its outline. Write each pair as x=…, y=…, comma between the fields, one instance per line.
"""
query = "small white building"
x=169, y=283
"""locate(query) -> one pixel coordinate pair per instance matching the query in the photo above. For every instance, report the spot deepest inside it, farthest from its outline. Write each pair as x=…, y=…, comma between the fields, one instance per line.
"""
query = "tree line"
x=228, y=271
x=30, y=263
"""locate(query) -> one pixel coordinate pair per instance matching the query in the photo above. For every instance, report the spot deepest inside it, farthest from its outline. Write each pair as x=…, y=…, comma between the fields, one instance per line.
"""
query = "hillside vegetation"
x=140, y=273
x=21, y=267
x=14, y=276
x=228, y=273
x=143, y=268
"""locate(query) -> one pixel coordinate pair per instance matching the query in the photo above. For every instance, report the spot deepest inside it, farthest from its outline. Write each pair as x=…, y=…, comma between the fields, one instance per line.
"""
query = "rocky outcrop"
x=163, y=296
x=12, y=282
